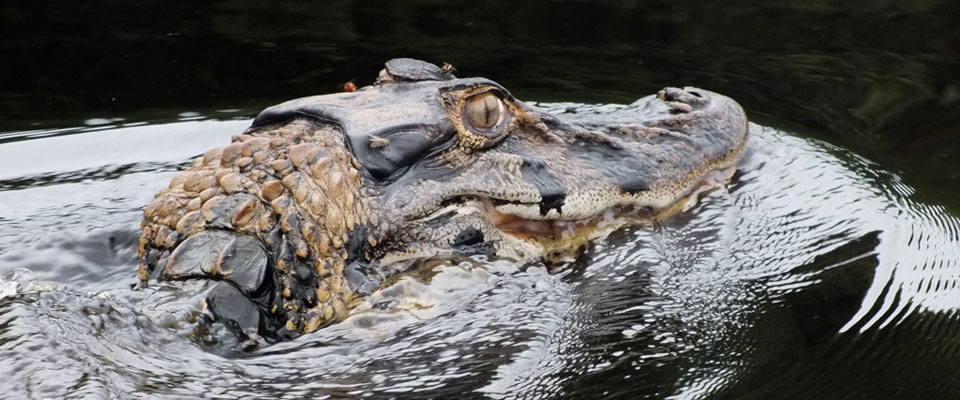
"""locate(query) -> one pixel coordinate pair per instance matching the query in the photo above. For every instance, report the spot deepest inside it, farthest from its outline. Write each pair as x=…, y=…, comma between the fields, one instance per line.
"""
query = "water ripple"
x=814, y=274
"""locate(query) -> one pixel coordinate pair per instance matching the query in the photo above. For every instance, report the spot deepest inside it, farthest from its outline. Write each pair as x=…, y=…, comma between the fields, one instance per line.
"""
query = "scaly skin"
x=296, y=190
x=312, y=208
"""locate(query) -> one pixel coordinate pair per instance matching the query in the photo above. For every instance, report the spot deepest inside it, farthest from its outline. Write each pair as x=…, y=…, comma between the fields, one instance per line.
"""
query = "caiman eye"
x=484, y=111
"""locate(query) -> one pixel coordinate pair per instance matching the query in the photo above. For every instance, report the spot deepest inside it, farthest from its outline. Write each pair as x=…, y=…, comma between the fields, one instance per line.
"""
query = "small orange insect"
x=349, y=86
x=448, y=68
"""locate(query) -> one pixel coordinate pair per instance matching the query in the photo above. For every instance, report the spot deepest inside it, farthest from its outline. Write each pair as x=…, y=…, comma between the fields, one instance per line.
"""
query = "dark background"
x=879, y=77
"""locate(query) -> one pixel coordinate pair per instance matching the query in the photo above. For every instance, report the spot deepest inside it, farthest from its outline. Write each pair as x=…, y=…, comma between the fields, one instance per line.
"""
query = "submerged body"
x=323, y=198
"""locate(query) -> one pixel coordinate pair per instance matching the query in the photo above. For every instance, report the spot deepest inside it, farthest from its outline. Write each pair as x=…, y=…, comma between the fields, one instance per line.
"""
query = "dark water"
x=829, y=268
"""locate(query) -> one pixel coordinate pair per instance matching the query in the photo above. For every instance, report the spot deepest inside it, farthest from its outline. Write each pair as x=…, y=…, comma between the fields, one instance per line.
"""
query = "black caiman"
x=325, y=198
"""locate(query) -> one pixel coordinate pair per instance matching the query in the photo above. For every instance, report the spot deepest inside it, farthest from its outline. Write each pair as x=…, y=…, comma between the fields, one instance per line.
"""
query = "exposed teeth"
x=545, y=228
x=525, y=220
x=527, y=211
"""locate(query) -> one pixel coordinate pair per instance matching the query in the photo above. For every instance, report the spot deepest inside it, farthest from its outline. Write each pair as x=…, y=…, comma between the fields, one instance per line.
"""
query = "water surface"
x=813, y=273
x=827, y=269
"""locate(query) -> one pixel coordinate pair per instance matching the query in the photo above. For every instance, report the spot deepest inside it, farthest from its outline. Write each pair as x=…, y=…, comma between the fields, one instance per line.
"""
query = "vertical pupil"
x=489, y=105
x=483, y=111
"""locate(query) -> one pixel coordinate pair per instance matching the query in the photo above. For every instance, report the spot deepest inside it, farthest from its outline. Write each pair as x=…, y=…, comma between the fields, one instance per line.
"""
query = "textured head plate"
x=408, y=69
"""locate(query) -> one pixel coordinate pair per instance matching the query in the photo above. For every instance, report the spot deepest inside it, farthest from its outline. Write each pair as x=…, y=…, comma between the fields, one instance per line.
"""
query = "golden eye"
x=484, y=111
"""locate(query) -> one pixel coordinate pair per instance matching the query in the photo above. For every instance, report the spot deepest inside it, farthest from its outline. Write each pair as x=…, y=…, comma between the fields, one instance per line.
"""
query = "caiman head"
x=324, y=198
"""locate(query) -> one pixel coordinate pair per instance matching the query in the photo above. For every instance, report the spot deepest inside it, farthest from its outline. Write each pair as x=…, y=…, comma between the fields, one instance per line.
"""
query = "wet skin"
x=324, y=199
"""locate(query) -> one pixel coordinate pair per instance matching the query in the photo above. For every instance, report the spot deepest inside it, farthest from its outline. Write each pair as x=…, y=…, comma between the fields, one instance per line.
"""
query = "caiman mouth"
x=557, y=230
x=553, y=231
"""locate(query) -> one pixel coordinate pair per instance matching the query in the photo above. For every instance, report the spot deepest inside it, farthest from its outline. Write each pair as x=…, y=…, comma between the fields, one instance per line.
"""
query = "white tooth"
x=441, y=211
x=527, y=211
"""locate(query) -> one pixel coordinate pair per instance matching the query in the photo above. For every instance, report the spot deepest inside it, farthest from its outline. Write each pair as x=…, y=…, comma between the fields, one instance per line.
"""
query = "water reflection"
x=813, y=275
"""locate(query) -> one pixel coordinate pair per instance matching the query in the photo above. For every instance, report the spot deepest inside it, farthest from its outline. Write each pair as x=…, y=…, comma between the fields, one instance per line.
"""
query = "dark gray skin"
x=323, y=198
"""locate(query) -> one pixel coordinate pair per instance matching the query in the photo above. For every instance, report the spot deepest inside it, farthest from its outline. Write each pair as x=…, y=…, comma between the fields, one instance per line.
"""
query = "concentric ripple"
x=812, y=275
